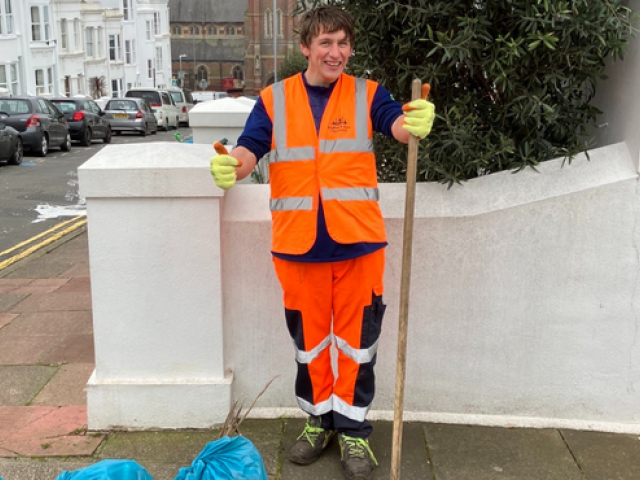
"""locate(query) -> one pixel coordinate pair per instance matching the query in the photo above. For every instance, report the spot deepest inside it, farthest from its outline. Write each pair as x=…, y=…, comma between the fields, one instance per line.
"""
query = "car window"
x=188, y=97
x=165, y=98
x=65, y=106
x=52, y=108
x=177, y=97
x=153, y=98
x=94, y=107
x=121, y=105
x=42, y=106
x=13, y=107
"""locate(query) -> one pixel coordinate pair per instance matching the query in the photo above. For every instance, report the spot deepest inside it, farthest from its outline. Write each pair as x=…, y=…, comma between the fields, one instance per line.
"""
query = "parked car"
x=131, y=115
x=40, y=124
x=207, y=96
x=184, y=101
x=10, y=142
x=166, y=112
x=85, y=118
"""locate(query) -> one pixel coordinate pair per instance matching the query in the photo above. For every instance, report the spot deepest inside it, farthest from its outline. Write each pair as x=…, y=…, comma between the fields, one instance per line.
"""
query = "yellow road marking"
x=44, y=243
x=26, y=242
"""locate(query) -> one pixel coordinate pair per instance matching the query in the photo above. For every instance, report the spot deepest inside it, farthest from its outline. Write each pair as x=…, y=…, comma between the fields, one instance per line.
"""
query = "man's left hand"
x=418, y=117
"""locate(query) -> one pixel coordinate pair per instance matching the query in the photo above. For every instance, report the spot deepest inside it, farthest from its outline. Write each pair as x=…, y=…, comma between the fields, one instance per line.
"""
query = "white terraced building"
x=59, y=47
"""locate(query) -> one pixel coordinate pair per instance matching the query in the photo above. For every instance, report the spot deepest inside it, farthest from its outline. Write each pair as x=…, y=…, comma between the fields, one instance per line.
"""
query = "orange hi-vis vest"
x=337, y=164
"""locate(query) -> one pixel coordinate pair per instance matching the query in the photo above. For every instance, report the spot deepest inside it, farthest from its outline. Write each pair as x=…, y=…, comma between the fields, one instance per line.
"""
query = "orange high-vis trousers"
x=336, y=303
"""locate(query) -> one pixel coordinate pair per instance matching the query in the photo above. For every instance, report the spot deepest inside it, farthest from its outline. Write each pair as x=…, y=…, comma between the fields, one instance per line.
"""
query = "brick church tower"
x=260, y=41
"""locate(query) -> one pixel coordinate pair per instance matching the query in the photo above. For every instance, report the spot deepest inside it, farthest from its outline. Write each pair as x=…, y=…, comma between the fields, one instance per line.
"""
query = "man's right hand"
x=223, y=167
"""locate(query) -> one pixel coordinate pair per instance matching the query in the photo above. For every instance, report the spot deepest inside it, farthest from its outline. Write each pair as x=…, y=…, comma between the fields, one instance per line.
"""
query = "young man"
x=328, y=232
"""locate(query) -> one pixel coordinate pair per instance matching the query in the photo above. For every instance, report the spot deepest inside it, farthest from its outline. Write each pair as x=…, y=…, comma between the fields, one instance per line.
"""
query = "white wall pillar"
x=154, y=242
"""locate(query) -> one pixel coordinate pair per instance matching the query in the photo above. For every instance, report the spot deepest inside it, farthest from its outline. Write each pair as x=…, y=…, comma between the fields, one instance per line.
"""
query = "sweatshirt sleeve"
x=384, y=111
x=256, y=136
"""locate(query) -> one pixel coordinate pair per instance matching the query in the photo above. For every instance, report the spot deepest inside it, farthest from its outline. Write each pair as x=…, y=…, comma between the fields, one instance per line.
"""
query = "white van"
x=167, y=114
x=184, y=101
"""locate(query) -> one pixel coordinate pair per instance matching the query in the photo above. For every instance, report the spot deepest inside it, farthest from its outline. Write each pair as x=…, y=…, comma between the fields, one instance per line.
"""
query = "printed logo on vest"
x=339, y=125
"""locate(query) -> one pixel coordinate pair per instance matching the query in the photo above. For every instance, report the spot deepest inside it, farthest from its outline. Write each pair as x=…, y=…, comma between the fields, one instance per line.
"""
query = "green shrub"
x=512, y=80
x=293, y=63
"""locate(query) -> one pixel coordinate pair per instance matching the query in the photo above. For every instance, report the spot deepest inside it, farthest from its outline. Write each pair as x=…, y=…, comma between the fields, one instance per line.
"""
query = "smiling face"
x=327, y=54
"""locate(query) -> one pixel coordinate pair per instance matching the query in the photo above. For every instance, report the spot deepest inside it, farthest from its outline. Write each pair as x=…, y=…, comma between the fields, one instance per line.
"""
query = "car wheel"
x=16, y=159
x=44, y=146
x=107, y=138
x=66, y=146
x=165, y=125
x=155, y=130
x=145, y=132
x=86, y=140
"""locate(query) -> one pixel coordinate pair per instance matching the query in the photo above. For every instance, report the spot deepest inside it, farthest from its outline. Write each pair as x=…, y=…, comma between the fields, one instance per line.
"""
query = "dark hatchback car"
x=85, y=118
x=40, y=124
x=10, y=143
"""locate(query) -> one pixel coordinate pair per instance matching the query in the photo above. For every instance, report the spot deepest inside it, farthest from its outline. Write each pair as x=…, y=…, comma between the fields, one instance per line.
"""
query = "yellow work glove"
x=419, y=115
x=223, y=167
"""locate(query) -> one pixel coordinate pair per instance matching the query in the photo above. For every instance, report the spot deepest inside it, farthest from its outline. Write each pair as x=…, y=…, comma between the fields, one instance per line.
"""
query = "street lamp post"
x=180, y=73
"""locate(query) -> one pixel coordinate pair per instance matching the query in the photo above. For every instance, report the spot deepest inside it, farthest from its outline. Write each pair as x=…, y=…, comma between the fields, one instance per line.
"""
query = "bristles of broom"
x=234, y=419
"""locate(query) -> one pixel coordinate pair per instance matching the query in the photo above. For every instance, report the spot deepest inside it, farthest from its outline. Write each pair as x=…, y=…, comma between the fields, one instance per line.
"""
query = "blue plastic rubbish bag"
x=226, y=459
x=108, y=470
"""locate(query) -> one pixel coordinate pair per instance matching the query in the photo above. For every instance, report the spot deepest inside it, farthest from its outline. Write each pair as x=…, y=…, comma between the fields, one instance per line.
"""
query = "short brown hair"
x=328, y=18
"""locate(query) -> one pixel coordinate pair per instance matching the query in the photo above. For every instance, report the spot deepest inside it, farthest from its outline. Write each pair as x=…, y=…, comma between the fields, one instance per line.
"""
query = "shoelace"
x=356, y=446
x=311, y=434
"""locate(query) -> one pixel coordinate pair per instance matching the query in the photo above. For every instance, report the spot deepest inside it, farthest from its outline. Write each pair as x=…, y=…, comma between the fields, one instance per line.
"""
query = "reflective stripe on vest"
x=351, y=193
x=364, y=355
x=310, y=355
x=291, y=203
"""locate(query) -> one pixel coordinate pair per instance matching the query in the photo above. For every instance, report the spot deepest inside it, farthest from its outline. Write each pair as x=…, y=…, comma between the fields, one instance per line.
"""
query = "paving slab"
x=46, y=323
x=485, y=453
x=20, y=383
x=14, y=282
x=605, y=456
x=46, y=302
x=414, y=463
x=72, y=349
x=7, y=318
x=48, y=432
x=78, y=270
x=177, y=447
x=67, y=386
x=9, y=301
x=80, y=284
x=44, y=469
x=26, y=349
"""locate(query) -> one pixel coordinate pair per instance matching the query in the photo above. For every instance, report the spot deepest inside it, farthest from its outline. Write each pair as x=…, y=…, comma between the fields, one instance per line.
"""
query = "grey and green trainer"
x=358, y=460
x=311, y=442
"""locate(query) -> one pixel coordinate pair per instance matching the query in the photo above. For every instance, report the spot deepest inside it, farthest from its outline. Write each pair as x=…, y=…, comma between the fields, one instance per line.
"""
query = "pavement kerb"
x=43, y=251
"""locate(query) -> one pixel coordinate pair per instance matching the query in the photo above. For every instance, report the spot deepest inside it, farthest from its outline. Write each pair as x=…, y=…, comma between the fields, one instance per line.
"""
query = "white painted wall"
x=524, y=304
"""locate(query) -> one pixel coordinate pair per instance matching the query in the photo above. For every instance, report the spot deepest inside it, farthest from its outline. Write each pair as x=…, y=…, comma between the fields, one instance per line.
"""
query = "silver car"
x=131, y=115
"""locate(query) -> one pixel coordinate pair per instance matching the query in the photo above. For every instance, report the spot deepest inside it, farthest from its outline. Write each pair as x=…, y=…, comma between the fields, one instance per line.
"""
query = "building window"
x=279, y=23
x=47, y=27
x=3, y=77
x=63, y=34
x=6, y=17
x=149, y=68
x=210, y=31
x=76, y=35
x=36, y=34
x=50, y=78
x=128, y=52
x=15, y=80
x=99, y=51
x=126, y=9
x=67, y=85
x=156, y=23
x=159, y=58
x=40, y=82
x=116, y=88
x=202, y=73
x=114, y=48
x=237, y=72
x=268, y=23
x=148, y=30
x=89, y=41
x=229, y=30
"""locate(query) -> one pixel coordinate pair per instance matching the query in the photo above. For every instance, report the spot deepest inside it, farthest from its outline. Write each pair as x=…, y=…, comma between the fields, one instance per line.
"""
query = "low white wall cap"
x=223, y=105
x=155, y=169
x=606, y=166
x=226, y=112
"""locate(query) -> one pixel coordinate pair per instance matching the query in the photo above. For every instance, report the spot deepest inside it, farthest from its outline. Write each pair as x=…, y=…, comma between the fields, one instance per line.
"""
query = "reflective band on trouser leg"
x=307, y=300
x=358, y=312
